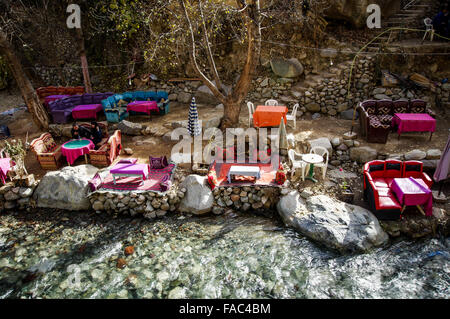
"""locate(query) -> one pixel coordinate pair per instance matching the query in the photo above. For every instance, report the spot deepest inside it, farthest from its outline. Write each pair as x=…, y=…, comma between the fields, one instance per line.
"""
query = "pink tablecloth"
x=414, y=122
x=73, y=153
x=143, y=106
x=413, y=191
x=87, y=111
x=5, y=167
x=132, y=169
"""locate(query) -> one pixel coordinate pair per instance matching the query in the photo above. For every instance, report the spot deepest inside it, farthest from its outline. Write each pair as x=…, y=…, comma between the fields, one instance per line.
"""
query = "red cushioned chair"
x=378, y=176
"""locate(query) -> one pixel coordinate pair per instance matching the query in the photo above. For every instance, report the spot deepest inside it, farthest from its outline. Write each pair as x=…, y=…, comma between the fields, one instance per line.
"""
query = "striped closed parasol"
x=193, y=124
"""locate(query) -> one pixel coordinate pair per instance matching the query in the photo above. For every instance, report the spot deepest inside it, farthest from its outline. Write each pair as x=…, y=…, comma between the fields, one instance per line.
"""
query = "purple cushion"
x=158, y=162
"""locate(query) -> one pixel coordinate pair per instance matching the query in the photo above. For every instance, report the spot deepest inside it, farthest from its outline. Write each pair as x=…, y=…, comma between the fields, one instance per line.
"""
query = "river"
x=74, y=255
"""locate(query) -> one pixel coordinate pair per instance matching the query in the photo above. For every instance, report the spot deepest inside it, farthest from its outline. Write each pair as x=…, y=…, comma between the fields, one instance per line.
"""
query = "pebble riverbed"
x=50, y=254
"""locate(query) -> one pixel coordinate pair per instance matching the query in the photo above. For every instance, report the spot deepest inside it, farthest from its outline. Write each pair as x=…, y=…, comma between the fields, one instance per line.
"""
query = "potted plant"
x=346, y=193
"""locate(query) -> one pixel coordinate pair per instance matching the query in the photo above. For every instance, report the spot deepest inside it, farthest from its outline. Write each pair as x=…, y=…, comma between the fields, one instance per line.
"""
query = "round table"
x=76, y=148
x=312, y=159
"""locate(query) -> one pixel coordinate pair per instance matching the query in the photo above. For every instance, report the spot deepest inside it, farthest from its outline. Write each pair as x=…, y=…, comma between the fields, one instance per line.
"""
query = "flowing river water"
x=75, y=255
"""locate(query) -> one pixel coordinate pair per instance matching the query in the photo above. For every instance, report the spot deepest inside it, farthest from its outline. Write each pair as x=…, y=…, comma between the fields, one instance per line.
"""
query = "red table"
x=76, y=148
x=266, y=115
x=143, y=106
x=413, y=192
x=414, y=122
x=86, y=111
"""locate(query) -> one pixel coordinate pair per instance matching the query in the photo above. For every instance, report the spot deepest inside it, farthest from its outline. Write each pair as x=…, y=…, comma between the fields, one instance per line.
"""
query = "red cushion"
x=389, y=181
x=388, y=202
x=384, y=191
x=380, y=182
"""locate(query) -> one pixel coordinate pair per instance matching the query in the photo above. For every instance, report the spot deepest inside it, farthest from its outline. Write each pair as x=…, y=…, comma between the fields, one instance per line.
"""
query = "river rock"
x=363, y=154
x=184, y=97
x=284, y=68
x=313, y=107
x=65, y=189
x=199, y=198
x=177, y=293
x=415, y=155
x=129, y=128
x=335, y=224
x=433, y=154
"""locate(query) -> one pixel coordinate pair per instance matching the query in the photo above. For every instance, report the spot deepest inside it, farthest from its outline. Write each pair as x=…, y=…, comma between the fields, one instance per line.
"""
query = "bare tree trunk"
x=231, y=111
x=30, y=97
x=232, y=102
x=83, y=58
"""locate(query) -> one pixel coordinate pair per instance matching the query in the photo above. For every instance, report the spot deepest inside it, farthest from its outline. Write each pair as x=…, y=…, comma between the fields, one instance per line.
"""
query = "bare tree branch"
x=209, y=52
x=193, y=58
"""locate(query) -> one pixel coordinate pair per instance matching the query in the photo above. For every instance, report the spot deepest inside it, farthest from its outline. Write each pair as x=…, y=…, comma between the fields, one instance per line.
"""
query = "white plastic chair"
x=322, y=151
x=428, y=29
x=292, y=154
x=293, y=115
x=251, y=110
x=271, y=102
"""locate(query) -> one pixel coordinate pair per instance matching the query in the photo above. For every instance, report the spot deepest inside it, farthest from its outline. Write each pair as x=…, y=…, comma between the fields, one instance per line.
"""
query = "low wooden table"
x=244, y=171
x=129, y=170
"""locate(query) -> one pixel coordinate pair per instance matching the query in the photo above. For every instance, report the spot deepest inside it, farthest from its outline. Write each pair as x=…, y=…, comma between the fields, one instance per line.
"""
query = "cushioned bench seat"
x=378, y=179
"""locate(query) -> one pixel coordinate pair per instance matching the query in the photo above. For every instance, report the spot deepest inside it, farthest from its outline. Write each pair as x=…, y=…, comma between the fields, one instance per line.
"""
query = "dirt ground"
x=143, y=146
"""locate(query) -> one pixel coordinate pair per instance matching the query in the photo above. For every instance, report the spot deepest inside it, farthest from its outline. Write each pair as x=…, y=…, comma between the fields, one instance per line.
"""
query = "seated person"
x=96, y=134
x=79, y=132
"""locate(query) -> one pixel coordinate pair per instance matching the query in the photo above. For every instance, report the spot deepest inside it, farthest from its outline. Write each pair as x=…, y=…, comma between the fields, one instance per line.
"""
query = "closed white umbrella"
x=443, y=167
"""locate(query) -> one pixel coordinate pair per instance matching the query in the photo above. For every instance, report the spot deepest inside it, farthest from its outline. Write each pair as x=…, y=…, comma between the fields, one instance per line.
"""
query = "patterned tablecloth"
x=413, y=122
x=269, y=115
x=413, y=191
x=143, y=106
x=76, y=148
x=87, y=111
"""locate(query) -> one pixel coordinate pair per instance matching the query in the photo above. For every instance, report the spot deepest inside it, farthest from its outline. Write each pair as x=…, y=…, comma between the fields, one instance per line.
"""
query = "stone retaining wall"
x=245, y=198
x=148, y=204
x=16, y=197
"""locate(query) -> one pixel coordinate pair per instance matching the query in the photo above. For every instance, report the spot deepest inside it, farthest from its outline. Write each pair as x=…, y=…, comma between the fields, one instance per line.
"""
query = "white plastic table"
x=312, y=159
x=244, y=171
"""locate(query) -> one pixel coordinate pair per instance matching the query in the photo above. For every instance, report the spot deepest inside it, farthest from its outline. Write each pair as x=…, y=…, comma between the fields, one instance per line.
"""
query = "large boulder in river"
x=355, y=11
x=199, y=198
x=284, y=68
x=335, y=224
x=65, y=189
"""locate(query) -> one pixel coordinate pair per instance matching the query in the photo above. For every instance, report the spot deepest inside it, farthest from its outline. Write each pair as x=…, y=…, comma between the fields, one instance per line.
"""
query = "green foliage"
x=15, y=149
